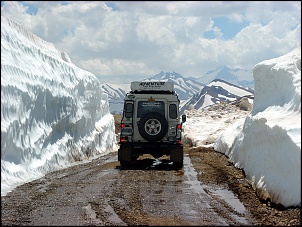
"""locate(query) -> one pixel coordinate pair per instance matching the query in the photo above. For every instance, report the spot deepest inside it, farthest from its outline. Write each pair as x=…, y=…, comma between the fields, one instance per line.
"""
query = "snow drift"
x=53, y=113
x=268, y=144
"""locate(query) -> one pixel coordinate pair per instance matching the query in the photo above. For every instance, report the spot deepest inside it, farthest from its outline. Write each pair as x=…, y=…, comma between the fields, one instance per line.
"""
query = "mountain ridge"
x=185, y=87
x=215, y=92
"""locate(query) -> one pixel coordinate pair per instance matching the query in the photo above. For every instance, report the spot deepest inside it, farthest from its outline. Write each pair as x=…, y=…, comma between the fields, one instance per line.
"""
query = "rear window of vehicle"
x=146, y=107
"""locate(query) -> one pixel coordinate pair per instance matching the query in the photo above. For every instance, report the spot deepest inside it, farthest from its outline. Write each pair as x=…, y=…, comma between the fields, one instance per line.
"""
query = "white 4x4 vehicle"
x=151, y=123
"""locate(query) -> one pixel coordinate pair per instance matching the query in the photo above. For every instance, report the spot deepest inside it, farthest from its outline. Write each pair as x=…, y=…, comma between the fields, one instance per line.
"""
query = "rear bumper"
x=150, y=146
x=130, y=151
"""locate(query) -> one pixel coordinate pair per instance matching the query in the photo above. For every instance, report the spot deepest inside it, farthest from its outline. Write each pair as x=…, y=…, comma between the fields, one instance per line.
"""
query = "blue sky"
x=228, y=28
x=121, y=38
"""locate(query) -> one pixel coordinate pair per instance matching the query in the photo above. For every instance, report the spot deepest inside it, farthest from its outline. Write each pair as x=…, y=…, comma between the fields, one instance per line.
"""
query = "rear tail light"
x=122, y=125
x=124, y=139
x=178, y=126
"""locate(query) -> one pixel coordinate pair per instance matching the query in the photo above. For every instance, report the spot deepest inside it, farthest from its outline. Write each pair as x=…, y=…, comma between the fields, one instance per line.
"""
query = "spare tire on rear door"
x=153, y=126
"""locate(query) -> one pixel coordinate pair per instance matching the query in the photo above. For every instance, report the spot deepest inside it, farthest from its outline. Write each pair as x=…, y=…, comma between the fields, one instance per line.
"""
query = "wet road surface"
x=100, y=192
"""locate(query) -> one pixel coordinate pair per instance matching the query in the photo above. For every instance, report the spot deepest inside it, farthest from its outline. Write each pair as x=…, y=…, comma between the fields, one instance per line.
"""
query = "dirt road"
x=151, y=192
x=208, y=190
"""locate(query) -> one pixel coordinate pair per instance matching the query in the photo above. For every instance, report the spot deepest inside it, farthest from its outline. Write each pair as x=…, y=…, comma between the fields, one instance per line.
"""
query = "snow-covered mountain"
x=184, y=87
x=216, y=92
x=190, y=91
x=116, y=94
x=239, y=77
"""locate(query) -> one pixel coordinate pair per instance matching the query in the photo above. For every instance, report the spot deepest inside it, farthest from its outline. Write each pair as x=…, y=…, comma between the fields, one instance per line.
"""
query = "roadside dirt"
x=101, y=193
x=216, y=169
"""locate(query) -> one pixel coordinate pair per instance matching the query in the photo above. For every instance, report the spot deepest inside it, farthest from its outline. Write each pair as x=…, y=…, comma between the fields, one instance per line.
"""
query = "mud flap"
x=124, y=154
x=177, y=155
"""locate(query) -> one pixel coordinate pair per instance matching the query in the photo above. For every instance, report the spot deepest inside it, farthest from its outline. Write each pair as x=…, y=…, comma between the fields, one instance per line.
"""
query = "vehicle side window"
x=172, y=111
x=128, y=110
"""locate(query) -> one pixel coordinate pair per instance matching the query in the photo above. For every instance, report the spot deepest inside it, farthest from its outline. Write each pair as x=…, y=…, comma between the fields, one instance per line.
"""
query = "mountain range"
x=193, y=92
x=240, y=77
x=215, y=92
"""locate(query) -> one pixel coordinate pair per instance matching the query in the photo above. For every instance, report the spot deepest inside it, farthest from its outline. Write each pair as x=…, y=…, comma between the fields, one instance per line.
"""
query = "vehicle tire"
x=125, y=164
x=178, y=165
x=153, y=126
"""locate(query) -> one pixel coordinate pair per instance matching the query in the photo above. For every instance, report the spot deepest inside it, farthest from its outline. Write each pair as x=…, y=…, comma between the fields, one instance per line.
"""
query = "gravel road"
x=208, y=190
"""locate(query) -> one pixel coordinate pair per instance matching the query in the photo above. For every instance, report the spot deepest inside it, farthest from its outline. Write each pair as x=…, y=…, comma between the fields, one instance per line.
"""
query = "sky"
x=121, y=41
x=55, y=114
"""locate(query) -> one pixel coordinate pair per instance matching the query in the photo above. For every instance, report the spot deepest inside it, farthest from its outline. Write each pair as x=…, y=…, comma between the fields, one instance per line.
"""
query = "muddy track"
x=208, y=190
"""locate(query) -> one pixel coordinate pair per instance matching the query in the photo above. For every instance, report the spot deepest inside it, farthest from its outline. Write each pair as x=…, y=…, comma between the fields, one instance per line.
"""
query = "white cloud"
x=162, y=36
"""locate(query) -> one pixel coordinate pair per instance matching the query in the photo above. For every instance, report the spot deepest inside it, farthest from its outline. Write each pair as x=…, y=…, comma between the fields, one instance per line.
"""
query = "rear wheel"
x=177, y=165
x=124, y=155
x=125, y=164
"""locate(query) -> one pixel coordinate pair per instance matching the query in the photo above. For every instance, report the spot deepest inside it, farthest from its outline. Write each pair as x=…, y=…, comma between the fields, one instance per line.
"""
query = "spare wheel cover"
x=153, y=126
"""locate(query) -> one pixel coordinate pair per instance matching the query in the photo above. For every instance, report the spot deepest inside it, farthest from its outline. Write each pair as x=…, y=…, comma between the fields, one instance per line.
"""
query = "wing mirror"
x=183, y=118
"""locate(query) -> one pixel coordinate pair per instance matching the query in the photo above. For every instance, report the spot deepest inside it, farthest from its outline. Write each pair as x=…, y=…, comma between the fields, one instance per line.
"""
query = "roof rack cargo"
x=139, y=86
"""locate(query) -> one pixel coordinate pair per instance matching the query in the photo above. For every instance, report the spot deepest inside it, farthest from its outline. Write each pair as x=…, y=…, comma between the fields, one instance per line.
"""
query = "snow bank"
x=268, y=143
x=53, y=113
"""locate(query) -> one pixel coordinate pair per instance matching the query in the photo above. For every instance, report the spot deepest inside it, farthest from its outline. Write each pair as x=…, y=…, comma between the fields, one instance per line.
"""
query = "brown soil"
x=217, y=169
x=98, y=193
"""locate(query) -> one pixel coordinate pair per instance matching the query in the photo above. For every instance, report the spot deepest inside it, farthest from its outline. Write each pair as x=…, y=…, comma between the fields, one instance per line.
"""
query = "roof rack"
x=152, y=86
x=152, y=92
